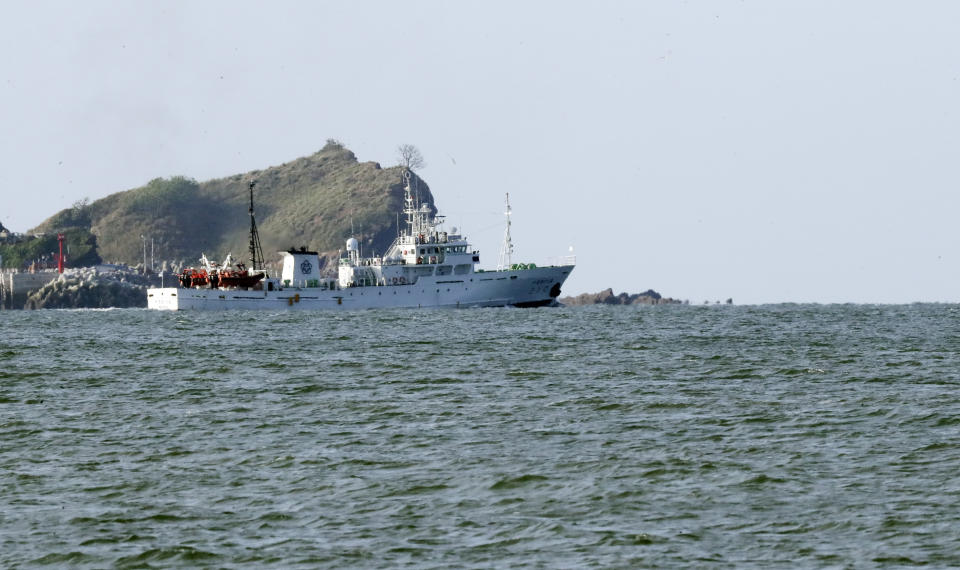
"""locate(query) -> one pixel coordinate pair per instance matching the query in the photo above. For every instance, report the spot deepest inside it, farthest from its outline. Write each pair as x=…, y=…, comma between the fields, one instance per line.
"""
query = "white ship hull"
x=523, y=288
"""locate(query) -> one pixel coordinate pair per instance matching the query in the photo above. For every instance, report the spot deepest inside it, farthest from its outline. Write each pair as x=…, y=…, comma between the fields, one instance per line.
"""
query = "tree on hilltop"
x=410, y=157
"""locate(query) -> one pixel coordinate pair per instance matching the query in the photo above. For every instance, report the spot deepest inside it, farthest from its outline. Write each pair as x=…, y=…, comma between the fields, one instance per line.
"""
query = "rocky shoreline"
x=608, y=297
x=89, y=289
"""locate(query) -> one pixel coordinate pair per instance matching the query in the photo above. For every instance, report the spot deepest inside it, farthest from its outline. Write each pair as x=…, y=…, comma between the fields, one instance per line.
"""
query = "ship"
x=425, y=267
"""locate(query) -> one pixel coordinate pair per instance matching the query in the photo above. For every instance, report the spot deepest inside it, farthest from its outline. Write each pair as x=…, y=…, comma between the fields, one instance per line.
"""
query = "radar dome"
x=353, y=244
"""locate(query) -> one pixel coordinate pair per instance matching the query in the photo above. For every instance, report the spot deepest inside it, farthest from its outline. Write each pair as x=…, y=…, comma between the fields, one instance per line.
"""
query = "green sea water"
x=613, y=437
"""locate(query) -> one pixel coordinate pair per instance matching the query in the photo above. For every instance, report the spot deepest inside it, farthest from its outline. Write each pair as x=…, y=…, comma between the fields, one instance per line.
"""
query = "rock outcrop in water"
x=88, y=289
x=607, y=297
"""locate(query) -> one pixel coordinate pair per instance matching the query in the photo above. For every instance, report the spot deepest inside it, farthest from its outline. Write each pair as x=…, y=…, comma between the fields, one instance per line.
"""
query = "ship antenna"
x=256, y=252
x=506, y=250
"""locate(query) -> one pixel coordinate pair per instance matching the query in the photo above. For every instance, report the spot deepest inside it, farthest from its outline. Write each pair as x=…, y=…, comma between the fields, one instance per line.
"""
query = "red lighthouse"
x=60, y=257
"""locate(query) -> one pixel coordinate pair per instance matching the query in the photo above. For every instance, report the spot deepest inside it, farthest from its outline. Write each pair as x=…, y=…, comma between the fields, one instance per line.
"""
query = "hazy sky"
x=765, y=151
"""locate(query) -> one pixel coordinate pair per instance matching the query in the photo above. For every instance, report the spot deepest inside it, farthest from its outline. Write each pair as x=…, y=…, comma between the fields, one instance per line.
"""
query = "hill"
x=312, y=201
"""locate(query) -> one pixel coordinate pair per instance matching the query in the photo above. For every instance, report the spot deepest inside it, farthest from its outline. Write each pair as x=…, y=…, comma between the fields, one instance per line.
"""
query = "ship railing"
x=562, y=260
x=322, y=283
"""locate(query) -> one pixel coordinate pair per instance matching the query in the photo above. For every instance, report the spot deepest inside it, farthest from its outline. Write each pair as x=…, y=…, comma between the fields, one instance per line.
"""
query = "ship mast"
x=256, y=252
x=417, y=214
x=409, y=209
x=506, y=250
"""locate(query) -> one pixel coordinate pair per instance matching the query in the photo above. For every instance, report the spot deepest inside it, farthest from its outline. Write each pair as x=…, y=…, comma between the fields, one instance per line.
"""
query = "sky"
x=789, y=151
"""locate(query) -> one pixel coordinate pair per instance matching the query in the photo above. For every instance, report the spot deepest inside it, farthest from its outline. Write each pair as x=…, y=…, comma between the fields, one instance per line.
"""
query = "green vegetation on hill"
x=312, y=201
x=79, y=246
